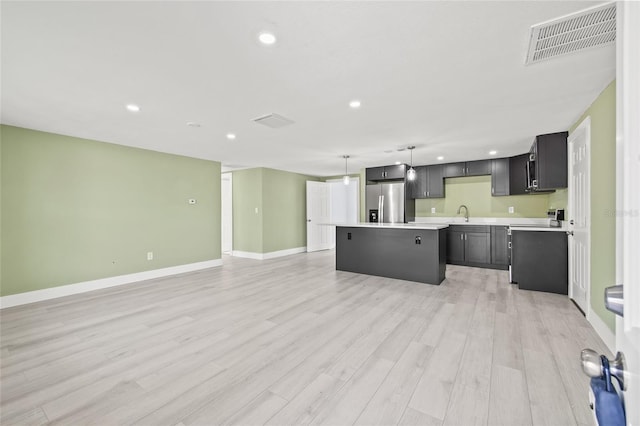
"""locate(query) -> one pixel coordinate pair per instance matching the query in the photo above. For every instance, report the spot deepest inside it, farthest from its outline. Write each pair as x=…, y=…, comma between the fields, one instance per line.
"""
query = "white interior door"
x=318, y=216
x=226, y=201
x=628, y=197
x=579, y=215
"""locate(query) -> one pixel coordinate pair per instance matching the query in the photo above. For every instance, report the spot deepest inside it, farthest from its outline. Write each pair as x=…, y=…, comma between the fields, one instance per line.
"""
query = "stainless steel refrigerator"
x=386, y=202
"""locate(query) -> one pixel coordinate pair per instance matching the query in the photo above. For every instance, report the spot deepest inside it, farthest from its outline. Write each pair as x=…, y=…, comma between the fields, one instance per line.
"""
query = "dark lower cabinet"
x=468, y=245
x=406, y=254
x=500, y=246
x=539, y=261
x=482, y=246
x=455, y=246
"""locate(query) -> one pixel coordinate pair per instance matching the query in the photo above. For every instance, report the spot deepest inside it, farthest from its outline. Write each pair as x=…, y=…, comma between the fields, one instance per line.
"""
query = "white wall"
x=345, y=202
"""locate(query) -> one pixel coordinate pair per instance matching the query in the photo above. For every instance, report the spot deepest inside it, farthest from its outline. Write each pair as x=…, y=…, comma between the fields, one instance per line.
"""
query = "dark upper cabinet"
x=375, y=173
x=550, y=154
x=500, y=246
x=454, y=169
x=429, y=182
x=419, y=185
x=518, y=174
x=469, y=168
x=395, y=172
x=435, y=181
x=478, y=168
x=500, y=177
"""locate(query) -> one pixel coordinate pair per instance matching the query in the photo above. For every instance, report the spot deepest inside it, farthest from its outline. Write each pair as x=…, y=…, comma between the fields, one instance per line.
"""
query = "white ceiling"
x=448, y=77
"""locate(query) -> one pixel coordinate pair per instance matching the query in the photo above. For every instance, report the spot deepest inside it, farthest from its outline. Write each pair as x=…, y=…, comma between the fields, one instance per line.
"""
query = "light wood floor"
x=291, y=341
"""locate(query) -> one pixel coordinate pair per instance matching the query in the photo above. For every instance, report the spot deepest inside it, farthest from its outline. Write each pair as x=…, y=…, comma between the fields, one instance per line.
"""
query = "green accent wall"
x=247, y=223
x=280, y=199
x=475, y=193
x=76, y=210
x=559, y=199
x=603, y=198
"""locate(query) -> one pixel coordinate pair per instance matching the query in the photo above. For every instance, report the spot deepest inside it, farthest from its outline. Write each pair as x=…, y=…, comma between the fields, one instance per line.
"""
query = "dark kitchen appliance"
x=556, y=216
x=373, y=215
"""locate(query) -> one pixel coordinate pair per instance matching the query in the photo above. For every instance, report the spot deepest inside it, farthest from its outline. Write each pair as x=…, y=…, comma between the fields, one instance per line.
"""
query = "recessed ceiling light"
x=440, y=158
x=231, y=136
x=493, y=152
x=355, y=104
x=193, y=124
x=267, y=38
x=133, y=107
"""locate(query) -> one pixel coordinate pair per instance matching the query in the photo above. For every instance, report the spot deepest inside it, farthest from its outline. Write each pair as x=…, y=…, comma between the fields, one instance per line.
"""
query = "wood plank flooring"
x=292, y=341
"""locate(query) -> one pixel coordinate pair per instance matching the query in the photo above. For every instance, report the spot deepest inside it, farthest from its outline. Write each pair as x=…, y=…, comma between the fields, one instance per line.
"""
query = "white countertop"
x=515, y=224
x=508, y=221
x=428, y=226
x=538, y=228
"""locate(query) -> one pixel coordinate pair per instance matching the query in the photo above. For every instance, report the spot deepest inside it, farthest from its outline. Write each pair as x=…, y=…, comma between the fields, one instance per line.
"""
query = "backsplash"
x=475, y=193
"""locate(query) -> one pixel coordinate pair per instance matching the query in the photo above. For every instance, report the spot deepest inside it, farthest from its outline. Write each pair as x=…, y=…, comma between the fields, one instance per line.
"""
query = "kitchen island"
x=412, y=252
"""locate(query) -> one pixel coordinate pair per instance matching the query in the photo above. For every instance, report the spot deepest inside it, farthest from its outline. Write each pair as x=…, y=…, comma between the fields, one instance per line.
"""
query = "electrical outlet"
x=256, y=210
x=433, y=209
x=511, y=210
x=149, y=255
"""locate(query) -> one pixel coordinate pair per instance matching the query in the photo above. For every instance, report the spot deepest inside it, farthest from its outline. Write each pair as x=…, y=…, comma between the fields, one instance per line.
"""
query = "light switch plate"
x=511, y=210
x=433, y=209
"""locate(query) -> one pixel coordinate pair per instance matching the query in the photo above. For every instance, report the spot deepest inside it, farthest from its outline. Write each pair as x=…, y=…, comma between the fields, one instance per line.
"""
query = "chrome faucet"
x=466, y=212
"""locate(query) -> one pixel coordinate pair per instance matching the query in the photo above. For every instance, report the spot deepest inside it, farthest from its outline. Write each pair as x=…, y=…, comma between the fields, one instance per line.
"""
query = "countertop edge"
x=425, y=226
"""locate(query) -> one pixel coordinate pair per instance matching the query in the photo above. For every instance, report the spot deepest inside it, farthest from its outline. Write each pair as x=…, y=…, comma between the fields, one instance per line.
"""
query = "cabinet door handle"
x=427, y=193
x=465, y=237
x=461, y=237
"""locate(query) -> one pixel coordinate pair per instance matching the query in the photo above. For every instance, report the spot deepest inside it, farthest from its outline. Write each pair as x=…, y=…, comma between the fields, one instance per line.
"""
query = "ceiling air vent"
x=591, y=27
x=273, y=120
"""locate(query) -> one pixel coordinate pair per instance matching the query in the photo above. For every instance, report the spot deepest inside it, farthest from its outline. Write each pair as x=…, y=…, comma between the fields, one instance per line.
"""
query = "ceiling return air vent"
x=589, y=28
x=273, y=120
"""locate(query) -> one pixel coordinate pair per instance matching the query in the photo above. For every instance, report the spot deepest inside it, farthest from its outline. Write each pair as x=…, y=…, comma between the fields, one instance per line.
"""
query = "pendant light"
x=345, y=178
x=411, y=173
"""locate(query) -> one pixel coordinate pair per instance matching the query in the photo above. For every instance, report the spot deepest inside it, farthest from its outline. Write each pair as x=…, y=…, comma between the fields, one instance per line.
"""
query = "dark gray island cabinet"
x=403, y=251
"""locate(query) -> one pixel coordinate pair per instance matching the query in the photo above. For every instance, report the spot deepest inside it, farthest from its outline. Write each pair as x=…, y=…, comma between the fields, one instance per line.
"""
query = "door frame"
x=584, y=126
x=627, y=198
x=229, y=212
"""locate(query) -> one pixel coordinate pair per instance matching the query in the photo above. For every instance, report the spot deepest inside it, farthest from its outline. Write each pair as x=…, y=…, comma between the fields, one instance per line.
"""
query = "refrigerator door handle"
x=381, y=208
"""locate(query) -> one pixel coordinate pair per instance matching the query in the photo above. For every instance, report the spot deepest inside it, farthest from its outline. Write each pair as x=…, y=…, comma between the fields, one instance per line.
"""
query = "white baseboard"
x=605, y=333
x=270, y=255
x=83, y=287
